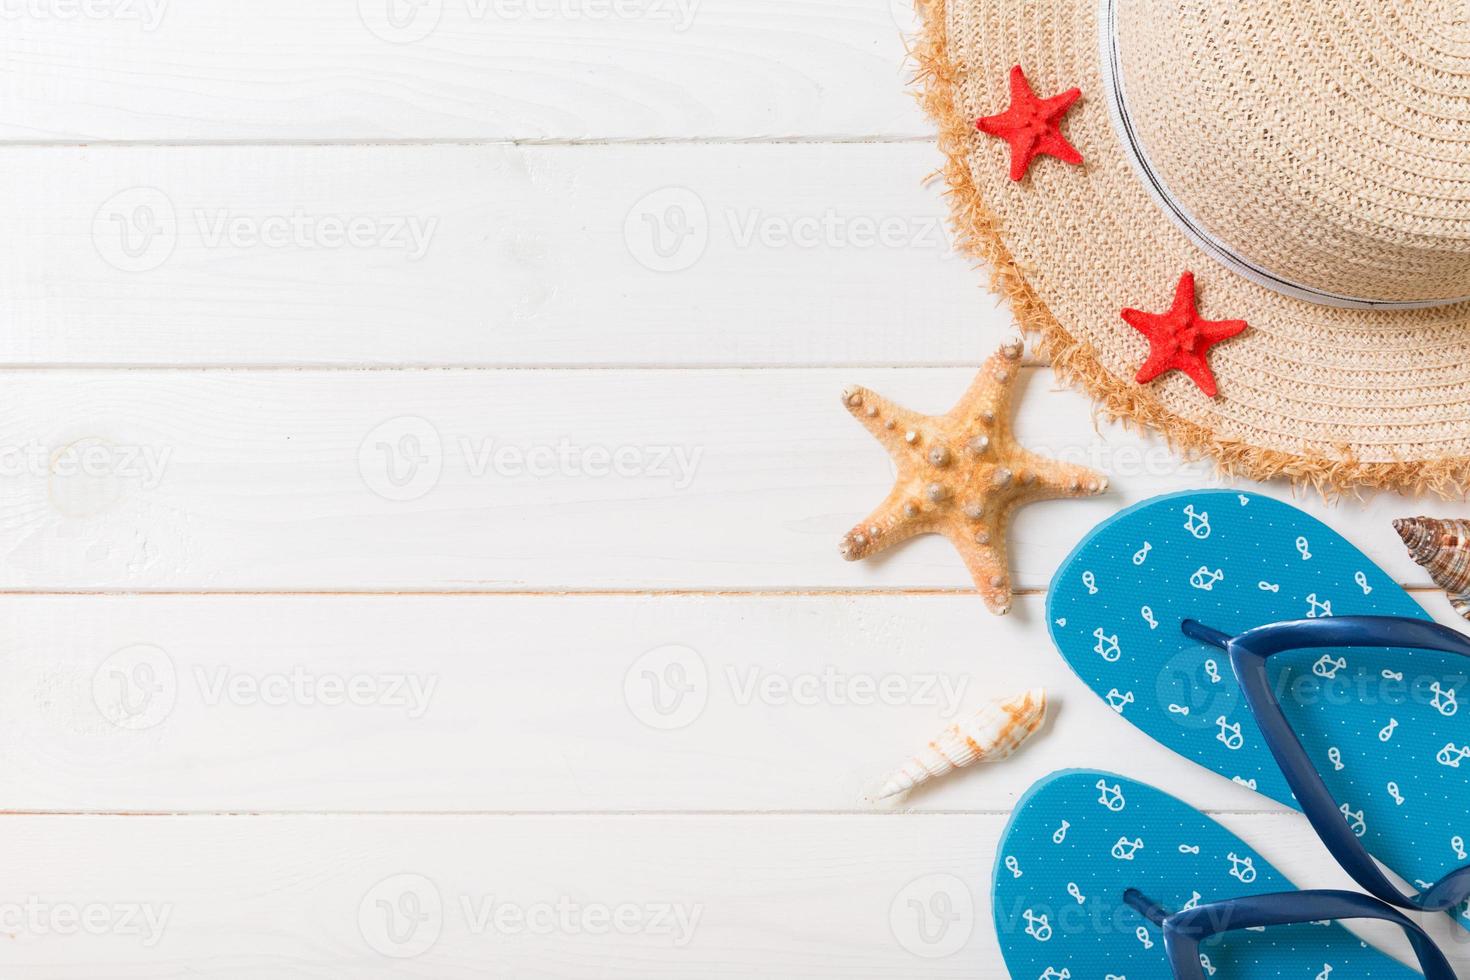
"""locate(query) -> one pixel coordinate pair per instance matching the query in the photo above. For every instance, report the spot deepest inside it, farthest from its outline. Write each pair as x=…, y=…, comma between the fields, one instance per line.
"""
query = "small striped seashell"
x=1442, y=547
x=989, y=735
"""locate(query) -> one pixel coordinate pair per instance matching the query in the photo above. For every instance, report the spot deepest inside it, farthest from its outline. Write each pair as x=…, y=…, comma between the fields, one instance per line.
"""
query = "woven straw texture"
x=1335, y=398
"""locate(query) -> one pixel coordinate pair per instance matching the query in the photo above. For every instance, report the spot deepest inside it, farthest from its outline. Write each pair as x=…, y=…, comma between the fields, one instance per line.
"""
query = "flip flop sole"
x=1080, y=838
x=1383, y=726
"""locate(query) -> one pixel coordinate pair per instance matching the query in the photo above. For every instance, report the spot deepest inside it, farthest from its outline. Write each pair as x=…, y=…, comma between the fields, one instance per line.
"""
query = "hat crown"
x=1326, y=144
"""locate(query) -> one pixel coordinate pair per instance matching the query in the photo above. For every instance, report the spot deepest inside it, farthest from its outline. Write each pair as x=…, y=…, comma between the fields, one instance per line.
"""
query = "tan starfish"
x=961, y=475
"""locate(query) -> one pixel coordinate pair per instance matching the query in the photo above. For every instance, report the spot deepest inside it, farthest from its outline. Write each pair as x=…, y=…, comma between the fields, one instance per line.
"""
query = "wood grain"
x=454, y=481
x=665, y=255
x=276, y=70
x=261, y=897
x=519, y=703
x=390, y=412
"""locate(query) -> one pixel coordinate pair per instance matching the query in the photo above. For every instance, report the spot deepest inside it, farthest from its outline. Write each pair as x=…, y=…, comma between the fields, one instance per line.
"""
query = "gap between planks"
x=564, y=814
x=568, y=593
x=833, y=139
x=284, y=367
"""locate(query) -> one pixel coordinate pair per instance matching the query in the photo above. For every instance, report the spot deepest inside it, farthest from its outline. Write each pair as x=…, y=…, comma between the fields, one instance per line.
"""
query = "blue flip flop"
x=1101, y=876
x=1254, y=640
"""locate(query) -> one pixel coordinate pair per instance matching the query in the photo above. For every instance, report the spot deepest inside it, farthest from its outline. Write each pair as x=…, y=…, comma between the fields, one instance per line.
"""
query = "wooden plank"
x=277, y=70
x=513, y=481
x=250, y=897
x=782, y=254
x=522, y=703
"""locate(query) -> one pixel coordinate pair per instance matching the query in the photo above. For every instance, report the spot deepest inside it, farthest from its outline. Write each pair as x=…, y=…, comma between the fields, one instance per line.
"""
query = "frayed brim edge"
x=978, y=236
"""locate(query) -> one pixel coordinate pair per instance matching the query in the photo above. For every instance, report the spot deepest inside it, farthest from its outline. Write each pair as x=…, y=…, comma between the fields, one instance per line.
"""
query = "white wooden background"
x=387, y=401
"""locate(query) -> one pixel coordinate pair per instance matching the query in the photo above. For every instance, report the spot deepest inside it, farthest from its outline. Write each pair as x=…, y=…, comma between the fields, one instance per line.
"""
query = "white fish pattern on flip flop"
x=1207, y=578
x=1112, y=796
x=1243, y=869
x=1318, y=608
x=1037, y=926
x=1229, y=734
x=1196, y=524
x=1173, y=855
x=1127, y=850
x=1233, y=565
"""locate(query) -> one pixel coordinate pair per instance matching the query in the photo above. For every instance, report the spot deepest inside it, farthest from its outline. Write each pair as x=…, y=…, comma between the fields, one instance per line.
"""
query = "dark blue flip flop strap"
x=1184, y=931
x=1248, y=654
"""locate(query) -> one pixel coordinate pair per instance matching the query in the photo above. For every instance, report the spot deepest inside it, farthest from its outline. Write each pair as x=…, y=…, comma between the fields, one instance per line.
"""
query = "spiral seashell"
x=989, y=735
x=1442, y=547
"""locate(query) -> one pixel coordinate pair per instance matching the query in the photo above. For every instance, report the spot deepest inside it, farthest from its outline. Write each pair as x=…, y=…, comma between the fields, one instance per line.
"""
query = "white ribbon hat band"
x=1112, y=75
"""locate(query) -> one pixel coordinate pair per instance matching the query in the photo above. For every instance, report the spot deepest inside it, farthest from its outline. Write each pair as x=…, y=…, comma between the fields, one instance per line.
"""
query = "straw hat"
x=1307, y=161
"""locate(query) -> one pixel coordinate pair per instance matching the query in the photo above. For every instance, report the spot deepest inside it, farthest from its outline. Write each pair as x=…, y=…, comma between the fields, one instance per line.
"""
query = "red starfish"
x=1179, y=339
x=1032, y=125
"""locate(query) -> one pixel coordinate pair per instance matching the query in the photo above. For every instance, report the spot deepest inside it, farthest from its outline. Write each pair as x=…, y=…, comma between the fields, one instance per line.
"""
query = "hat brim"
x=1330, y=397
